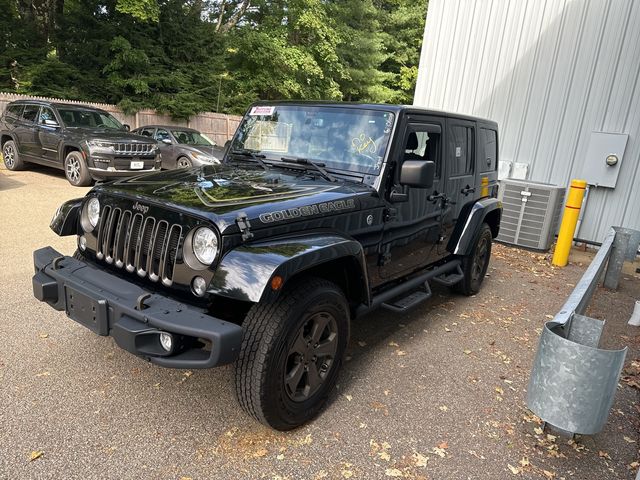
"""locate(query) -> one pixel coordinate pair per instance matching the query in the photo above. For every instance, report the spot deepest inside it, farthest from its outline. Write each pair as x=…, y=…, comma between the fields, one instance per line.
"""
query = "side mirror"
x=166, y=141
x=51, y=123
x=126, y=127
x=417, y=173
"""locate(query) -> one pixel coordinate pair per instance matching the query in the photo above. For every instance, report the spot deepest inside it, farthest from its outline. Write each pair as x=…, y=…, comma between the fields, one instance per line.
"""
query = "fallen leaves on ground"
x=393, y=472
x=36, y=454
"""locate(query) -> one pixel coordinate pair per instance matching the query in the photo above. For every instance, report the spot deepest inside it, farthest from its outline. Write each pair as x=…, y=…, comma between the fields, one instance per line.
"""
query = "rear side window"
x=460, y=158
x=13, y=111
x=489, y=142
x=30, y=113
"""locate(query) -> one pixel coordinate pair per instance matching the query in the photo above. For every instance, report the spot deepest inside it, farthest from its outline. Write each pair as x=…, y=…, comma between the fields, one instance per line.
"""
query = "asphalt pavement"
x=437, y=393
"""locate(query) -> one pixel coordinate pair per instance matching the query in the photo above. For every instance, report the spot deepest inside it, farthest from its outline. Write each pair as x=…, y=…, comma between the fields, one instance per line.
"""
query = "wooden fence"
x=217, y=126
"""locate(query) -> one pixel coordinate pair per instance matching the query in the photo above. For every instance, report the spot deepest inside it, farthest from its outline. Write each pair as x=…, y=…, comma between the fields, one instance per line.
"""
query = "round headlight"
x=93, y=211
x=205, y=245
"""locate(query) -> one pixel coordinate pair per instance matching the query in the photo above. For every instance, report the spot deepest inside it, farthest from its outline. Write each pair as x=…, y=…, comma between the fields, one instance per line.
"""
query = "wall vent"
x=531, y=212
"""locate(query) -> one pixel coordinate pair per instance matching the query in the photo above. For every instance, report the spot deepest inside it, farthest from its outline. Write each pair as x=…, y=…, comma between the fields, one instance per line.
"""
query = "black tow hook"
x=140, y=301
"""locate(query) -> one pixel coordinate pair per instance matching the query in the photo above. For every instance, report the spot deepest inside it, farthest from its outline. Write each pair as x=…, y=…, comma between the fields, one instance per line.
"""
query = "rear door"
x=25, y=131
x=460, y=186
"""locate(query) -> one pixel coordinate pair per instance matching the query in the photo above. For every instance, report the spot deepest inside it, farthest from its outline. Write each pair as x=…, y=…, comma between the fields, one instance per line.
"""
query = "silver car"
x=182, y=147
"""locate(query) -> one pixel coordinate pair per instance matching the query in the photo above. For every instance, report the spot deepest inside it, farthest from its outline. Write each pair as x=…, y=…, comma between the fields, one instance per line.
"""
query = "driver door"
x=167, y=150
x=412, y=234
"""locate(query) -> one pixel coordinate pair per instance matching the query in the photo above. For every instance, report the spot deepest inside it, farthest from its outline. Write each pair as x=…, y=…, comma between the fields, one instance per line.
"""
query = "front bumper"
x=108, y=305
x=104, y=173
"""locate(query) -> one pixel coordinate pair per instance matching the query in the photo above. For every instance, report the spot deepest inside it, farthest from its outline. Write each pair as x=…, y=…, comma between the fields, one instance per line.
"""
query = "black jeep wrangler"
x=88, y=143
x=318, y=214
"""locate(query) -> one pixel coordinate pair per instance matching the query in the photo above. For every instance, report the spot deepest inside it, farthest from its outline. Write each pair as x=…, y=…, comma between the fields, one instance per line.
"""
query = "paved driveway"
x=436, y=393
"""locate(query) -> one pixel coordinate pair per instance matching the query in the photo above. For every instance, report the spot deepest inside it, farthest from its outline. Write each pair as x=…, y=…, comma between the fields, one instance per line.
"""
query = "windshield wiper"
x=250, y=154
x=316, y=166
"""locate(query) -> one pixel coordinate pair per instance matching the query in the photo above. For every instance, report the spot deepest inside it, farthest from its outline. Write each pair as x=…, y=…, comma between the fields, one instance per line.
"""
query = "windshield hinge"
x=245, y=227
x=390, y=214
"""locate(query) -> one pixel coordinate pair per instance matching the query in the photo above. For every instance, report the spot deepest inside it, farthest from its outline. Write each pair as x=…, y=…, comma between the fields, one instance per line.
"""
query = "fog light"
x=166, y=341
x=199, y=286
x=82, y=243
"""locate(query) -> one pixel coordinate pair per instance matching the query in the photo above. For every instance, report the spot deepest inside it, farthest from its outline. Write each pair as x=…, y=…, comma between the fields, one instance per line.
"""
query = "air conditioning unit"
x=531, y=212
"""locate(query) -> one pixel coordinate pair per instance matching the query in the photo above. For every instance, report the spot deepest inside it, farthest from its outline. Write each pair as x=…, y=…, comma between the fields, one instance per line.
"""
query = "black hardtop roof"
x=406, y=109
x=169, y=127
x=47, y=103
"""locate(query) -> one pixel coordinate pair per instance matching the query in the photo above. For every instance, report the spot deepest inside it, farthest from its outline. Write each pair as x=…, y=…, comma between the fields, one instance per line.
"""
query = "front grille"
x=139, y=244
x=133, y=148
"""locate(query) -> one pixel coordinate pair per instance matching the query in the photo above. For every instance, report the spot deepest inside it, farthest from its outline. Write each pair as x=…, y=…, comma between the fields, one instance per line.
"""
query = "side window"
x=162, y=134
x=46, y=114
x=460, y=154
x=147, y=132
x=30, y=113
x=489, y=141
x=423, y=143
x=14, y=111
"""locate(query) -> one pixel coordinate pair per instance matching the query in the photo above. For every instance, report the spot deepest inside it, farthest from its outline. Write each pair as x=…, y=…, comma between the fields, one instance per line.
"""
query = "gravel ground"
x=437, y=393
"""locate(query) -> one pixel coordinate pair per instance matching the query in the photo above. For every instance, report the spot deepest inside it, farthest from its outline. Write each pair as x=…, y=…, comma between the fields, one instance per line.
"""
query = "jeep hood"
x=223, y=192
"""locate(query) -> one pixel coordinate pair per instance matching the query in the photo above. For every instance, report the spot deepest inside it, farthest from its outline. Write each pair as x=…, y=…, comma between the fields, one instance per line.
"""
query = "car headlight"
x=90, y=214
x=99, y=144
x=202, y=157
x=205, y=245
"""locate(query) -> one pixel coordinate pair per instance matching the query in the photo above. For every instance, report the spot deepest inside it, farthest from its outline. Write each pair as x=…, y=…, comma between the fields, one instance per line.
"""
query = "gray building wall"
x=550, y=72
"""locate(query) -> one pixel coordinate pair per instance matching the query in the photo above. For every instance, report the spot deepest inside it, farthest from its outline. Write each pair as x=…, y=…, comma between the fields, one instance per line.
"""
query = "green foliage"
x=185, y=57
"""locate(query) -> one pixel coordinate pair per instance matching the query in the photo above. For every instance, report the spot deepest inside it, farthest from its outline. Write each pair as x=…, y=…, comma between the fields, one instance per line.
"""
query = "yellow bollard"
x=569, y=221
x=484, y=187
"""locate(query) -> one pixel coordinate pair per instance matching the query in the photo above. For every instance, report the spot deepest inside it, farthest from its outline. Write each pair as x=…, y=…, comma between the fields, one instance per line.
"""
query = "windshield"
x=342, y=138
x=188, y=137
x=88, y=119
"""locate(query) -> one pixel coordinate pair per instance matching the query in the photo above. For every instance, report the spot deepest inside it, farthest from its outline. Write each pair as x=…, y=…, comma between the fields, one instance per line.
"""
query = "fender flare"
x=66, y=219
x=12, y=138
x=64, y=145
x=471, y=218
x=245, y=273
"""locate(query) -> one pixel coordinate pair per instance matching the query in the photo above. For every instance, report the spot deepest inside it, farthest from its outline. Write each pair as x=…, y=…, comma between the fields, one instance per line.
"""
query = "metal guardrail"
x=573, y=382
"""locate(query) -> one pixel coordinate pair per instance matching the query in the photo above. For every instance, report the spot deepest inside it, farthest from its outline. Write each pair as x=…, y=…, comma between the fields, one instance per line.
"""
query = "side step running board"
x=402, y=304
x=449, y=279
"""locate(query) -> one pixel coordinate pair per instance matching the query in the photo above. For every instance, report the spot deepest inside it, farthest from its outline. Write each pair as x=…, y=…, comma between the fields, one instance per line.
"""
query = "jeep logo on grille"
x=141, y=208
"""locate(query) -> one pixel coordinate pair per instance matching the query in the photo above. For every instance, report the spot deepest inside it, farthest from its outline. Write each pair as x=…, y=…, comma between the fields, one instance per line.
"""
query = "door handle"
x=467, y=190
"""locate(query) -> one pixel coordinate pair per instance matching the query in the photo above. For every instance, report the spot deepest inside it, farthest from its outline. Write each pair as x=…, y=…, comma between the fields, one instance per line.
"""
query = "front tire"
x=291, y=353
x=474, y=265
x=11, y=156
x=183, y=162
x=76, y=170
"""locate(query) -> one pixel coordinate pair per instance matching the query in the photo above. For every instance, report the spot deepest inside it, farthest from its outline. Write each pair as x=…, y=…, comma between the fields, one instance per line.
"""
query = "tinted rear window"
x=489, y=140
x=30, y=113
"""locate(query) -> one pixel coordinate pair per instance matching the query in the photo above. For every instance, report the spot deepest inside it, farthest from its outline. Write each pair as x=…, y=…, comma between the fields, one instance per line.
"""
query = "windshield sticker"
x=361, y=144
x=262, y=110
x=388, y=124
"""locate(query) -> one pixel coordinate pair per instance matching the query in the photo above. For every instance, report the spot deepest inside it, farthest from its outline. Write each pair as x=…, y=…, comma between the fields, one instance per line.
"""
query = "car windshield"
x=343, y=138
x=190, y=137
x=73, y=117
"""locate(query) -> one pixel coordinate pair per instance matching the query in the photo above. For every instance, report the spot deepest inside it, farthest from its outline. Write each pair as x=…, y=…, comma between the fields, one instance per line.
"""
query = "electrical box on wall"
x=603, y=159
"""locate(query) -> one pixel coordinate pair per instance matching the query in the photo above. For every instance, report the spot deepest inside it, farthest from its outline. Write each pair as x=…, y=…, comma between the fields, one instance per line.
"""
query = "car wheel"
x=183, y=162
x=76, y=171
x=291, y=353
x=11, y=157
x=474, y=265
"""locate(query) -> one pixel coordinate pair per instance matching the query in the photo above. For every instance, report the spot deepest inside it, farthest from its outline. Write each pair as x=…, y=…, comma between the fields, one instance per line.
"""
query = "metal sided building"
x=561, y=78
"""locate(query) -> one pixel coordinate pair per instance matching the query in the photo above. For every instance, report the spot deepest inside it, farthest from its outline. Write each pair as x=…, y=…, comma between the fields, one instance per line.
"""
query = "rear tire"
x=474, y=265
x=291, y=353
x=11, y=156
x=76, y=170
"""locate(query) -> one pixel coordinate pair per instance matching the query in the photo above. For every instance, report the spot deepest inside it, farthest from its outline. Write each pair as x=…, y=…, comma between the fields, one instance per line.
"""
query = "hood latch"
x=245, y=226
